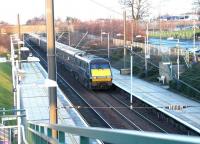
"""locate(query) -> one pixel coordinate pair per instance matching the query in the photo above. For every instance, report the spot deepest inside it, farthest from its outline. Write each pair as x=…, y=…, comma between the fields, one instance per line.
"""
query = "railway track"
x=111, y=118
x=131, y=115
x=75, y=97
x=109, y=106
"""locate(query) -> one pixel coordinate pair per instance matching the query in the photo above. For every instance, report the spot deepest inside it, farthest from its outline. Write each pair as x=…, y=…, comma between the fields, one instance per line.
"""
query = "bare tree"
x=36, y=20
x=139, y=8
x=2, y=23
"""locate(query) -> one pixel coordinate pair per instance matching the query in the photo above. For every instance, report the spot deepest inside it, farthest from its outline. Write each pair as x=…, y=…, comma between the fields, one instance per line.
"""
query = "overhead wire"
x=170, y=107
x=106, y=7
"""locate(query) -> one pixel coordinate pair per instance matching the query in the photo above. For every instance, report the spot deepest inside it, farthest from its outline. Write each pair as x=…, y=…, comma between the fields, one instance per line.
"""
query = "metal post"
x=124, y=38
x=10, y=135
x=39, y=42
x=194, y=29
x=131, y=99
x=178, y=57
x=147, y=33
x=13, y=70
x=159, y=50
x=4, y=139
x=19, y=28
x=61, y=137
x=18, y=106
x=19, y=54
x=69, y=38
x=146, y=50
x=169, y=52
x=171, y=69
x=145, y=56
x=51, y=62
x=108, y=45
x=132, y=31
x=101, y=36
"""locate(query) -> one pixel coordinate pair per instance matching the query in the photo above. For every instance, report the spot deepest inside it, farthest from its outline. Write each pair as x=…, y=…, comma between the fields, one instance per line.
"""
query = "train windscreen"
x=100, y=66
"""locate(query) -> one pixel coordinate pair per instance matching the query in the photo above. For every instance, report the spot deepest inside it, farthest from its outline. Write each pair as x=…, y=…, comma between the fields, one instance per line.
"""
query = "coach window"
x=73, y=60
x=81, y=64
x=65, y=57
x=76, y=61
x=87, y=68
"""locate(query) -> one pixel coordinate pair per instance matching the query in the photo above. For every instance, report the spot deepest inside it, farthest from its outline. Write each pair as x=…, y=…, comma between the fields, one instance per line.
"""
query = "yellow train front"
x=100, y=74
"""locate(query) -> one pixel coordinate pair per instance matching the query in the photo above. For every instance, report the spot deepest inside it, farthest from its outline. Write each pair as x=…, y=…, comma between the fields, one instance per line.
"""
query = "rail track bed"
x=109, y=108
x=73, y=96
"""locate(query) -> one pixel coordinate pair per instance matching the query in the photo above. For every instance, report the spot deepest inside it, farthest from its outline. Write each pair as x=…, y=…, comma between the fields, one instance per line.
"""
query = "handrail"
x=115, y=136
x=23, y=134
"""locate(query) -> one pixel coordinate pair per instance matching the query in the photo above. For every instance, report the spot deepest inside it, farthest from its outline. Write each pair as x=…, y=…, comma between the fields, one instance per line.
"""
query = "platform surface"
x=157, y=96
x=34, y=99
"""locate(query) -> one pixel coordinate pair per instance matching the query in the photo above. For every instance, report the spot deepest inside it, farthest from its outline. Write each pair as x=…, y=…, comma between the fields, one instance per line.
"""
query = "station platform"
x=158, y=96
x=34, y=99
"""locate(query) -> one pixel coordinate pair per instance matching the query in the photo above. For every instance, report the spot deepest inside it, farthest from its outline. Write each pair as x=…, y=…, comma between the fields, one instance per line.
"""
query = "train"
x=91, y=71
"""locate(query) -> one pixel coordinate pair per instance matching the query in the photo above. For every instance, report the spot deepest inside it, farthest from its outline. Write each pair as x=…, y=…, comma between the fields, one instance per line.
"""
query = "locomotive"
x=91, y=71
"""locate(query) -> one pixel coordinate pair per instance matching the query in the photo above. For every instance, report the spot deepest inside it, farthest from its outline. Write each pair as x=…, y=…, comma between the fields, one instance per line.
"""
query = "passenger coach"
x=91, y=71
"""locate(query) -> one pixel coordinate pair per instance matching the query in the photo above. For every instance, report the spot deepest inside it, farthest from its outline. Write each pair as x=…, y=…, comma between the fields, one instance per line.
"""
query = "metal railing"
x=42, y=133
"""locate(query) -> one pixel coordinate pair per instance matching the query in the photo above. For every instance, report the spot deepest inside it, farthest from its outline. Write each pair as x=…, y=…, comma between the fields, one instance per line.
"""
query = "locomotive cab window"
x=100, y=66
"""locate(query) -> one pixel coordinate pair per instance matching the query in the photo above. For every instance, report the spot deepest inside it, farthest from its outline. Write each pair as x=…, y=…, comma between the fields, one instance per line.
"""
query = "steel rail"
x=140, y=115
x=71, y=88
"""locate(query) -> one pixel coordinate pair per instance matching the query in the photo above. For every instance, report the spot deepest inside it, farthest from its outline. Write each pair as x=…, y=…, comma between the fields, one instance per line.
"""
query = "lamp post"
x=20, y=44
x=146, y=56
x=69, y=38
x=124, y=17
x=178, y=60
x=131, y=96
x=101, y=37
x=194, y=37
x=108, y=34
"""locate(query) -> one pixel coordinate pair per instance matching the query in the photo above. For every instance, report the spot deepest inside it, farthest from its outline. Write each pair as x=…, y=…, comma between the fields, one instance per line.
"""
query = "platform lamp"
x=178, y=60
x=108, y=34
x=146, y=52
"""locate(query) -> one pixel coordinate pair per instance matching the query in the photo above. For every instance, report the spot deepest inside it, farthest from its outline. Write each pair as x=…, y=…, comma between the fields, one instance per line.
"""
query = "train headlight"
x=94, y=77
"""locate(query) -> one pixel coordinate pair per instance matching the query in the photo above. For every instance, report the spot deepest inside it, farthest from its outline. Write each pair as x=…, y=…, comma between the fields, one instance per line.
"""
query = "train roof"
x=73, y=51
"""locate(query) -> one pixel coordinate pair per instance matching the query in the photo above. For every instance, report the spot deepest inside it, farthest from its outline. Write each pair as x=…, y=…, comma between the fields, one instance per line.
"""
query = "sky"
x=83, y=9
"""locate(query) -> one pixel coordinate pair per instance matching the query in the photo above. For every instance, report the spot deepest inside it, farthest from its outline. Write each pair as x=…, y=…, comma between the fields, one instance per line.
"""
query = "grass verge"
x=6, y=95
